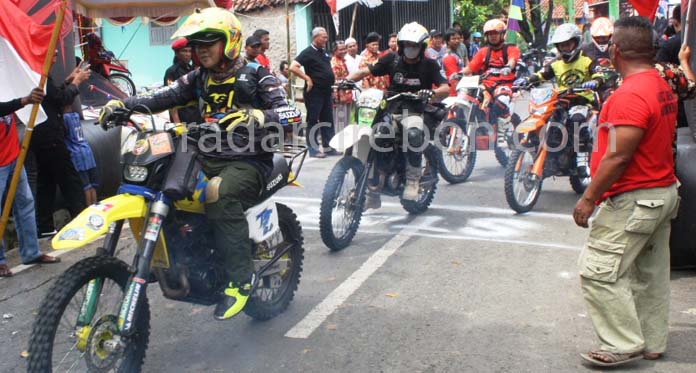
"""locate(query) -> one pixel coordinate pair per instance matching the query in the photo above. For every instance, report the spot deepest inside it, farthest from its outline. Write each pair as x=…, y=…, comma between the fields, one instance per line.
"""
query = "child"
x=80, y=151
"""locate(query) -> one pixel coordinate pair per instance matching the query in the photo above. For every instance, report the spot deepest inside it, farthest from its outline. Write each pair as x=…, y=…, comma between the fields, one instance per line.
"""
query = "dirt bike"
x=549, y=143
x=96, y=316
x=471, y=129
x=530, y=62
x=375, y=160
x=104, y=62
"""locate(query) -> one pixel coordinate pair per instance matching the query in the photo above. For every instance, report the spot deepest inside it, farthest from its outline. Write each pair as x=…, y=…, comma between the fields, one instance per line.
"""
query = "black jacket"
x=10, y=107
x=52, y=131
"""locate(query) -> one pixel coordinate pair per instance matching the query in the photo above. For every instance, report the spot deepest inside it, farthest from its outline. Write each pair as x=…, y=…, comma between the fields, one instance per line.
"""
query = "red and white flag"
x=23, y=48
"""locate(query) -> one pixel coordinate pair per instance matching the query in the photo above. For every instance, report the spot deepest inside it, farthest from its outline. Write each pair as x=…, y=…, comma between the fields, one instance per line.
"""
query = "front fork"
x=137, y=285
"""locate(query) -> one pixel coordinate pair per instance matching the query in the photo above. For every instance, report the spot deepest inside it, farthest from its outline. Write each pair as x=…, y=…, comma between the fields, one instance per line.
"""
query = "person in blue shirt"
x=475, y=44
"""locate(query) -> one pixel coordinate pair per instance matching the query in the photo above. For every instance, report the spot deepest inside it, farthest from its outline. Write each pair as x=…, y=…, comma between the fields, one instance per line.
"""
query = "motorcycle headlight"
x=540, y=110
x=135, y=173
x=366, y=116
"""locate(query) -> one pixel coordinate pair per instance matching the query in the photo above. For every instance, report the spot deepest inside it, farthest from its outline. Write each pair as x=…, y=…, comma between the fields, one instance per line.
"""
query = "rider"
x=499, y=60
x=410, y=71
x=601, y=31
x=572, y=69
x=236, y=97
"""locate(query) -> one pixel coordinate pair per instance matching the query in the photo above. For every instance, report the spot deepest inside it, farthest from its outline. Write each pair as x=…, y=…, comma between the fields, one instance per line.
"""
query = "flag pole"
x=352, y=22
x=48, y=61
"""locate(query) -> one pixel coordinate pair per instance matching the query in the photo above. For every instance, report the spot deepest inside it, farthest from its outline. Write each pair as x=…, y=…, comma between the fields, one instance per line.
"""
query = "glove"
x=425, y=94
x=592, y=84
x=244, y=117
x=107, y=112
x=505, y=71
x=521, y=82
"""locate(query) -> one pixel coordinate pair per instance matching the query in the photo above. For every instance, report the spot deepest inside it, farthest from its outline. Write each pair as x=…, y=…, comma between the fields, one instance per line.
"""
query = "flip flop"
x=5, y=271
x=652, y=355
x=44, y=259
x=611, y=359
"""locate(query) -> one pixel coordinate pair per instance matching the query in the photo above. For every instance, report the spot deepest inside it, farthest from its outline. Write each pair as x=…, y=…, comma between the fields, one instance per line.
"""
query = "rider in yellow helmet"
x=237, y=96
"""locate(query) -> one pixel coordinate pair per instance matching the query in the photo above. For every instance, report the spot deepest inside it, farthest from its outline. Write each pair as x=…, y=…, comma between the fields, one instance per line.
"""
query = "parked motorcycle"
x=104, y=62
x=375, y=159
x=96, y=316
x=549, y=145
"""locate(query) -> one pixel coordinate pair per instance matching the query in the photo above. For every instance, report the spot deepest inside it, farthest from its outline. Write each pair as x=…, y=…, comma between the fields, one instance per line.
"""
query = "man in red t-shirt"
x=265, y=38
x=23, y=203
x=498, y=60
x=624, y=267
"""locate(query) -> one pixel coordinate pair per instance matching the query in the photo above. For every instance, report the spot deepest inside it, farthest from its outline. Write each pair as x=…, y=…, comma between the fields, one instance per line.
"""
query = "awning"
x=133, y=8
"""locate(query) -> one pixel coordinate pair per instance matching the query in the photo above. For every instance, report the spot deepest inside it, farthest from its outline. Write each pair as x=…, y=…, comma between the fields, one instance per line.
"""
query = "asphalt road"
x=467, y=286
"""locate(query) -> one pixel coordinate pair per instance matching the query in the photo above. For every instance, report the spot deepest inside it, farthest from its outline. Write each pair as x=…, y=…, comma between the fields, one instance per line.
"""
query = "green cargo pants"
x=239, y=189
x=624, y=269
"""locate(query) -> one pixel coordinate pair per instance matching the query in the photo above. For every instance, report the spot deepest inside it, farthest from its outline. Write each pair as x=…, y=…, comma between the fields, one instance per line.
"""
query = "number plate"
x=262, y=220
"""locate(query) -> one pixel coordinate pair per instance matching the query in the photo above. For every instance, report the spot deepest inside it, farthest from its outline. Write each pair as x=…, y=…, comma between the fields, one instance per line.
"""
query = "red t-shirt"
x=9, y=143
x=644, y=100
x=495, y=61
x=452, y=64
x=264, y=61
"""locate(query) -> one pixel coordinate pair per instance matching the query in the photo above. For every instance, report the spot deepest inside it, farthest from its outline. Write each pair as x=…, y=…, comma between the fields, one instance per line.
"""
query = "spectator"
x=283, y=74
x=475, y=44
x=625, y=265
x=353, y=59
x=457, y=26
x=465, y=46
x=669, y=52
x=317, y=92
x=393, y=45
x=453, y=64
x=343, y=98
x=80, y=151
x=180, y=67
x=370, y=56
x=265, y=38
x=23, y=204
x=252, y=49
x=53, y=161
x=437, y=50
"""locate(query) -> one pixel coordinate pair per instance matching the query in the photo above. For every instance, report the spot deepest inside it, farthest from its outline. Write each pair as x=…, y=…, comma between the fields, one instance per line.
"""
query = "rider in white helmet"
x=601, y=30
x=410, y=71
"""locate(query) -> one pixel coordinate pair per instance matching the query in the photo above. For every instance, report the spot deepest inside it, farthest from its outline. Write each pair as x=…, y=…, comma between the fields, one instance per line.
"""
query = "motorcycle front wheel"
x=458, y=154
x=72, y=334
x=123, y=82
x=341, y=210
x=428, y=183
x=522, y=187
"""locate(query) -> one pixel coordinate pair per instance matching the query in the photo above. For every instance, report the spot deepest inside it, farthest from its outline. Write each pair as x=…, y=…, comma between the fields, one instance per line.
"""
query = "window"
x=159, y=35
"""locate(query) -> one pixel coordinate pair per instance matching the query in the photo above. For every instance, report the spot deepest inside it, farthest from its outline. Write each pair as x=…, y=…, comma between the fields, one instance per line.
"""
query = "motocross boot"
x=234, y=299
x=500, y=139
x=412, y=187
x=373, y=200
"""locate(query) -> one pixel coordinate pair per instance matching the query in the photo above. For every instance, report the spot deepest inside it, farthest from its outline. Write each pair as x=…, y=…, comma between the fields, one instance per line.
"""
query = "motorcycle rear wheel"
x=123, y=82
x=340, y=212
x=275, y=292
x=87, y=342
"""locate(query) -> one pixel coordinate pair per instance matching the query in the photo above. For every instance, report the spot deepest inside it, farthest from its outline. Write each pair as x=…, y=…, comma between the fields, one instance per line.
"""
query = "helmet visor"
x=205, y=38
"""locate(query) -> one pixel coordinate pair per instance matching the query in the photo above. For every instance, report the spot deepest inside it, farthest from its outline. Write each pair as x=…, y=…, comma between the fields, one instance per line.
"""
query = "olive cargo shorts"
x=624, y=270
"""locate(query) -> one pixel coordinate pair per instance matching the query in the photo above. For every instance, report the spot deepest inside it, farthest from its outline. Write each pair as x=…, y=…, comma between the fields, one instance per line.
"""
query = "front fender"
x=350, y=136
x=94, y=221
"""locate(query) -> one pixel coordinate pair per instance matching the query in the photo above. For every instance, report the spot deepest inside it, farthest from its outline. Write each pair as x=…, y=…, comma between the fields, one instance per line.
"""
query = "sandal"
x=652, y=355
x=44, y=259
x=610, y=359
x=5, y=271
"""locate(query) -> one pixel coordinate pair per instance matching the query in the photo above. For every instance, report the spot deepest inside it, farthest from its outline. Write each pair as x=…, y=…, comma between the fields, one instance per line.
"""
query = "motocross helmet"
x=494, y=25
x=563, y=33
x=601, y=27
x=412, y=33
x=210, y=25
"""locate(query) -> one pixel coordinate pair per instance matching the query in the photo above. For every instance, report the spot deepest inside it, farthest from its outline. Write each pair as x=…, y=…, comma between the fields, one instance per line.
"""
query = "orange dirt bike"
x=469, y=113
x=555, y=140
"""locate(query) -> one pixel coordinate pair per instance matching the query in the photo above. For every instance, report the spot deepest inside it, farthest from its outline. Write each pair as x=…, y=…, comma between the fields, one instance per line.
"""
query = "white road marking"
x=23, y=267
x=460, y=208
x=318, y=315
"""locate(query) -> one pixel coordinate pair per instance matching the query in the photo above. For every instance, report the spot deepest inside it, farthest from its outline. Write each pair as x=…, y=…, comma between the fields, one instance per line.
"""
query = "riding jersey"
x=405, y=77
x=580, y=70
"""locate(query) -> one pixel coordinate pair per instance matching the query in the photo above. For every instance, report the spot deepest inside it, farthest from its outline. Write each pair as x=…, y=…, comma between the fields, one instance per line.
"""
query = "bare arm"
x=359, y=75
x=441, y=91
x=684, y=54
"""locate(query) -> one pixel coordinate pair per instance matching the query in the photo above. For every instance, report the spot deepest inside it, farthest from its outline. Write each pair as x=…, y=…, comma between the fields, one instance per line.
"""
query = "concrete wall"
x=147, y=62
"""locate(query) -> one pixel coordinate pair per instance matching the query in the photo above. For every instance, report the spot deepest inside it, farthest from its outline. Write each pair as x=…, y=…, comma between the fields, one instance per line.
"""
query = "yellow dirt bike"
x=96, y=316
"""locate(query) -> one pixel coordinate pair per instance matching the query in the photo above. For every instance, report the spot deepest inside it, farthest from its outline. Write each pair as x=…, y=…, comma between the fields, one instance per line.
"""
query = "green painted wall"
x=303, y=27
x=146, y=62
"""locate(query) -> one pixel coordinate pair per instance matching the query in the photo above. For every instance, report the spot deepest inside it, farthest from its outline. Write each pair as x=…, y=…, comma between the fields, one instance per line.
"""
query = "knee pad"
x=212, y=190
x=415, y=137
x=578, y=114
